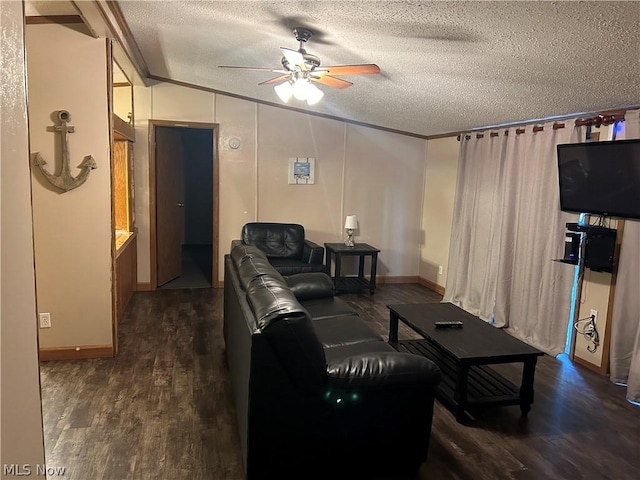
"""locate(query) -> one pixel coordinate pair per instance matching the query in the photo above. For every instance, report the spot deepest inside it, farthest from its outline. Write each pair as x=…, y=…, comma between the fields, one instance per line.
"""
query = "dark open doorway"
x=184, y=181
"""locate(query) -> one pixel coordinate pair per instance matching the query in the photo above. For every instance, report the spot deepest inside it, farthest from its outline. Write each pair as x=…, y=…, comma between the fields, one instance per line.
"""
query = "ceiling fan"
x=300, y=69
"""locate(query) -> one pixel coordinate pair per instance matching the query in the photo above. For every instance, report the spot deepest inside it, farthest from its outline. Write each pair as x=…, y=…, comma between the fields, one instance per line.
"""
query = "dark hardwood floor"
x=162, y=409
x=196, y=268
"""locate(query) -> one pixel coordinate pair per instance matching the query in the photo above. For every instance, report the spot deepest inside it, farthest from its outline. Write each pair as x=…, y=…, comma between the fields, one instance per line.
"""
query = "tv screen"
x=600, y=178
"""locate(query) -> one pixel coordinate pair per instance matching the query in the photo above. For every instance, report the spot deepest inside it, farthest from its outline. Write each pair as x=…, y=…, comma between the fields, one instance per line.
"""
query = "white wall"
x=21, y=438
x=384, y=186
x=374, y=174
x=437, y=210
x=142, y=113
x=283, y=134
x=73, y=230
x=594, y=295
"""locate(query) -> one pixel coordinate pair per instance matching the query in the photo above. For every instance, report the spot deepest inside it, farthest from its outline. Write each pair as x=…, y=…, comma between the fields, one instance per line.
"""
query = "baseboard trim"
x=389, y=280
x=143, y=287
x=431, y=285
x=76, y=353
x=587, y=364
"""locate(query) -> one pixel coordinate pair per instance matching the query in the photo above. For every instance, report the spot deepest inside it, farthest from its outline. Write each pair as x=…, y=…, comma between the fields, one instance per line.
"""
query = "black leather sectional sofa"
x=318, y=393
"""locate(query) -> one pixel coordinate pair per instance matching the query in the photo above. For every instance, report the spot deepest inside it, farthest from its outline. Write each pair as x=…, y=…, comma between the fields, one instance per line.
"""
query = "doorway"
x=183, y=204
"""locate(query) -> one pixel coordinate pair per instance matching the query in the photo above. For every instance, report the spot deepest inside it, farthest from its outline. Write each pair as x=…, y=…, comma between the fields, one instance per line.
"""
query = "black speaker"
x=571, y=246
x=599, y=250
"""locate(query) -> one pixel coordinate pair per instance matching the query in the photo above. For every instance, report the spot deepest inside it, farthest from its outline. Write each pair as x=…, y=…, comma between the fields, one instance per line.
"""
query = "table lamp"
x=350, y=224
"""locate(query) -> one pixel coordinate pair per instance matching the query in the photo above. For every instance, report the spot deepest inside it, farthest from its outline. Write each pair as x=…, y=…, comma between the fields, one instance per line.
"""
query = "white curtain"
x=473, y=257
x=508, y=228
x=625, y=321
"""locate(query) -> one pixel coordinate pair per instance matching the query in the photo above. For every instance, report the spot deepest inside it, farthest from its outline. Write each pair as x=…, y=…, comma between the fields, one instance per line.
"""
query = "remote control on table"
x=448, y=324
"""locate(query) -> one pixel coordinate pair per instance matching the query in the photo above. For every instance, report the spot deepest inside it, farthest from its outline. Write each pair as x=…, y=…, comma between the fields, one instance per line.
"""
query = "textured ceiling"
x=59, y=7
x=445, y=66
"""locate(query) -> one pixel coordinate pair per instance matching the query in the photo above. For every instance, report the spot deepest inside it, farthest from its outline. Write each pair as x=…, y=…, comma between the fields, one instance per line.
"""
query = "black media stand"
x=599, y=247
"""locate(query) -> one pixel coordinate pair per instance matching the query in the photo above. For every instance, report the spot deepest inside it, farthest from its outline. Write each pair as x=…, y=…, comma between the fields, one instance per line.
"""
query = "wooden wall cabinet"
x=126, y=275
x=124, y=223
x=125, y=268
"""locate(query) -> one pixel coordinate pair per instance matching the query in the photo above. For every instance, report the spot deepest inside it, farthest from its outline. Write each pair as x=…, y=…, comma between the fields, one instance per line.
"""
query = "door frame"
x=215, y=183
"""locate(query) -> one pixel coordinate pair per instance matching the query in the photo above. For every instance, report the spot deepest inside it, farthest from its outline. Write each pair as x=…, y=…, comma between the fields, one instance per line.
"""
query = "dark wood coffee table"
x=463, y=355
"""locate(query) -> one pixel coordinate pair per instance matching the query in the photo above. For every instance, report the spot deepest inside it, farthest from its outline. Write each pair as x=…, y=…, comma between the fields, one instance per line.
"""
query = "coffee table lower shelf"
x=484, y=386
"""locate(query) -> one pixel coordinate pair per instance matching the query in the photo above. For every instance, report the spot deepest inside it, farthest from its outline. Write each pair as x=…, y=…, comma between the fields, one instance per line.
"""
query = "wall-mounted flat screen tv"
x=601, y=178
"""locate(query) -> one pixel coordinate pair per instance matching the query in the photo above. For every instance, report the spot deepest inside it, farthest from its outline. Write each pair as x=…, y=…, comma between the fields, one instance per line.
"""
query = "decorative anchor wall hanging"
x=65, y=181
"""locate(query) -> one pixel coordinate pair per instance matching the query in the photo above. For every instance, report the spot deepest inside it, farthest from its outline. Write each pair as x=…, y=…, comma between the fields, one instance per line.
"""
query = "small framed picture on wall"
x=301, y=170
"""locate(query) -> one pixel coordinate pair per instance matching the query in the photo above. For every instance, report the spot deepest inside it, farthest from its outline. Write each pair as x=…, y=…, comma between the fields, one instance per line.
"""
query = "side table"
x=343, y=283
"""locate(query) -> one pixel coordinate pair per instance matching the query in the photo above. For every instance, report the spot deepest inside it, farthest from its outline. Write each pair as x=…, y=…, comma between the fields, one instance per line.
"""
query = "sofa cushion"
x=291, y=266
x=320, y=308
x=271, y=299
x=339, y=353
x=381, y=370
x=288, y=329
x=296, y=345
x=276, y=240
x=241, y=252
x=343, y=330
x=256, y=267
x=306, y=286
x=252, y=266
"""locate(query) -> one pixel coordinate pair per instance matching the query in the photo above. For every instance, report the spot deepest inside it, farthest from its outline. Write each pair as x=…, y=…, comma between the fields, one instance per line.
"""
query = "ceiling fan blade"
x=279, y=78
x=294, y=57
x=331, y=81
x=369, y=68
x=259, y=69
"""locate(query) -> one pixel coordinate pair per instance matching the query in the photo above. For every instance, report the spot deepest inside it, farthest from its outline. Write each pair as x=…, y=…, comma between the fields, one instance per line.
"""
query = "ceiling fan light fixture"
x=314, y=94
x=299, y=68
x=284, y=91
x=301, y=89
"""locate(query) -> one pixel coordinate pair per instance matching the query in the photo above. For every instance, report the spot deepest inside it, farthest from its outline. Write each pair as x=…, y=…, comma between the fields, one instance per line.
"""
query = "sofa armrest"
x=235, y=243
x=310, y=285
x=383, y=370
x=312, y=253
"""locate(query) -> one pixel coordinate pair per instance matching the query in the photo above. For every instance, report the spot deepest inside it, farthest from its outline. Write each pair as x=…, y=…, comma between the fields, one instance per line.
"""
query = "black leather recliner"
x=318, y=393
x=285, y=246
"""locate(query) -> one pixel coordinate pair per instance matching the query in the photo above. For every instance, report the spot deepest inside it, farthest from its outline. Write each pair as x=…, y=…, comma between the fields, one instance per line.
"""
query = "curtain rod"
x=519, y=131
x=604, y=118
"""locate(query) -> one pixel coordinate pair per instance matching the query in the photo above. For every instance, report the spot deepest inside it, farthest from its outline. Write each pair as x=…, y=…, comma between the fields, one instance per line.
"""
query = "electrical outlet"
x=45, y=320
x=594, y=315
x=439, y=269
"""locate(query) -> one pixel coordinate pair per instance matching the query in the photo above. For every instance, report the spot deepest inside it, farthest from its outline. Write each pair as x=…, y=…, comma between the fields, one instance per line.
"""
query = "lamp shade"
x=301, y=89
x=314, y=94
x=351, y=223
x=284, y=91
